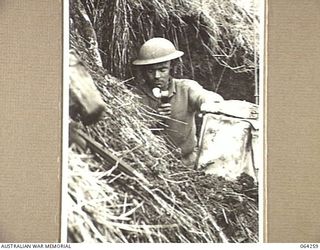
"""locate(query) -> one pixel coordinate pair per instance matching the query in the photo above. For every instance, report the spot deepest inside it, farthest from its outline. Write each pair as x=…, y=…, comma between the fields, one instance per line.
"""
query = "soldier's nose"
x=157, y=74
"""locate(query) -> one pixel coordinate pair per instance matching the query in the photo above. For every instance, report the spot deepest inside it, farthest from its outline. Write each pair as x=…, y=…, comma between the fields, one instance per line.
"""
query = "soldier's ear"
x=175, y=67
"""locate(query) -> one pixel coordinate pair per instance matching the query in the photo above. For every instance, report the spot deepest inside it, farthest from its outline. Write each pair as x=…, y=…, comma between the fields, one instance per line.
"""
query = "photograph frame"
x=261, y=122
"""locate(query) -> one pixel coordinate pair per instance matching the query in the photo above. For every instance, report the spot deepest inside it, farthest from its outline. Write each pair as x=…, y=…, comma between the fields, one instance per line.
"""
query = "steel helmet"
x=157, y=50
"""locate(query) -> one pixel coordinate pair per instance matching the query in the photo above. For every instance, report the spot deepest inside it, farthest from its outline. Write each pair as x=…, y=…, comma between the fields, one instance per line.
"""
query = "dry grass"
x=219, y=37
x=224, y=31
x=180, y=205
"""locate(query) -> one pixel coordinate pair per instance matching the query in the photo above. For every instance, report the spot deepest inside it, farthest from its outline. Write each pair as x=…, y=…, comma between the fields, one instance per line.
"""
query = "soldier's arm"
x=200, y=98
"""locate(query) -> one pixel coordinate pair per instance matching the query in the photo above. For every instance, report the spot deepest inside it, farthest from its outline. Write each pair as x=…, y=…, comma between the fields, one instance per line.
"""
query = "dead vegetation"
x=177, y=204
x=220, y=38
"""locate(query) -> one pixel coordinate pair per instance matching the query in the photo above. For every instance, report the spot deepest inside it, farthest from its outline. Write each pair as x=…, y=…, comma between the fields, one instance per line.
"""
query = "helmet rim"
x=166, y=58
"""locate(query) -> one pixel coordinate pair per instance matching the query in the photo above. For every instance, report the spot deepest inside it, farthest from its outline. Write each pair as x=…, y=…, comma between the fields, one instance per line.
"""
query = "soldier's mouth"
x=159, y=85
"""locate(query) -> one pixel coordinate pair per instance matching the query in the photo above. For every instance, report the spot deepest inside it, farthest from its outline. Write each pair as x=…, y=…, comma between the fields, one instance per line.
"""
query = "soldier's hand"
x=164, y=109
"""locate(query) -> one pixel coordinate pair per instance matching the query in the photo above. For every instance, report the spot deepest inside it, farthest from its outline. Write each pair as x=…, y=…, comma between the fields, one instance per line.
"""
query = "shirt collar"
x=172, y=87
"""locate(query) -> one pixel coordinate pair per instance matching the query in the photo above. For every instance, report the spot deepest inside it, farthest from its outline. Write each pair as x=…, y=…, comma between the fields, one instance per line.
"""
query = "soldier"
x=176, y=100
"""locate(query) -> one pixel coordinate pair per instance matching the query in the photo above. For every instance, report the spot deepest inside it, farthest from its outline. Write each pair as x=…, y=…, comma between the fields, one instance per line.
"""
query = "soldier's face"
x=157, y=75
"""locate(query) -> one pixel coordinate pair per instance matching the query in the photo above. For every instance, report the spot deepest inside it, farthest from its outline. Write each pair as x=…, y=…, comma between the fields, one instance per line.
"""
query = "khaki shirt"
x=186, y=96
